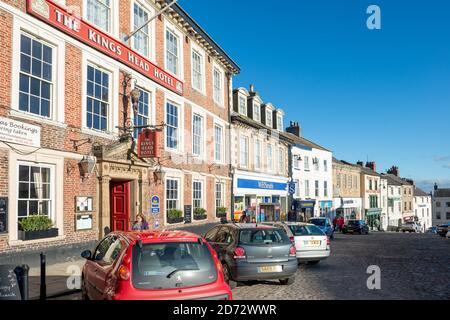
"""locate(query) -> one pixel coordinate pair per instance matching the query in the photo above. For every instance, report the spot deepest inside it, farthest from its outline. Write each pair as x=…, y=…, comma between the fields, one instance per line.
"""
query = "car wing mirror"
x=87, y=254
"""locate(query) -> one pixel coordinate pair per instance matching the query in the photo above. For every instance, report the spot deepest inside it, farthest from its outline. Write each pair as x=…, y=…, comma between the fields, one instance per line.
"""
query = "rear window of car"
x=172, y=265
x=306, y=230
x=354, y=223
x=318, y=222
x=263, y=236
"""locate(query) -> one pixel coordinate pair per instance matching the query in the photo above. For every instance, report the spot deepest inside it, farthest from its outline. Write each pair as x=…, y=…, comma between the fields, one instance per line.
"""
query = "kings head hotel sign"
x=79, y=29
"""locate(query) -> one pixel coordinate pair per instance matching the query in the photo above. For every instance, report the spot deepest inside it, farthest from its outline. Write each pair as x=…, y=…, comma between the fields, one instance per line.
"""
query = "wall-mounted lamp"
x=158, y=175
x=87, y=166
x=80, y=142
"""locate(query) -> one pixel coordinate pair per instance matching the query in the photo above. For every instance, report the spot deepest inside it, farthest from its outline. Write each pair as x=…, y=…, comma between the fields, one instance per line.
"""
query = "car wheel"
x=227, y=276
x=288, y=281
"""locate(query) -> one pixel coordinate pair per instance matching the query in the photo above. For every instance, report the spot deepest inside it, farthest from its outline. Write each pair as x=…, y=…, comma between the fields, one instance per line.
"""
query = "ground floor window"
x=34, y=191
x=219, y=191
x=197, y=196
x=172, y=194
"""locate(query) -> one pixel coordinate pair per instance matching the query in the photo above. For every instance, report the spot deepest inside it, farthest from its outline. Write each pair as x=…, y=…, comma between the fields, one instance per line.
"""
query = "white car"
x=311, y=243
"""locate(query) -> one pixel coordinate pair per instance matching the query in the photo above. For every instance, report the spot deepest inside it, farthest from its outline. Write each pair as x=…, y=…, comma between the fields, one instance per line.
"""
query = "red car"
x=153, y=265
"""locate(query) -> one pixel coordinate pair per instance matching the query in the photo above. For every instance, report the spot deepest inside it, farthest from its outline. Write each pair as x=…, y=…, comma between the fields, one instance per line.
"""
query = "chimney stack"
x=360, y=163
x=372, y=165
x=394, y=170
x=294, y=128
x=252, y=88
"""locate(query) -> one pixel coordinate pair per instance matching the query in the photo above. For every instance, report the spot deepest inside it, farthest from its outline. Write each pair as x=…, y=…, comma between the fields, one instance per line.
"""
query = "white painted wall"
x=423, y=210
x=442, y=210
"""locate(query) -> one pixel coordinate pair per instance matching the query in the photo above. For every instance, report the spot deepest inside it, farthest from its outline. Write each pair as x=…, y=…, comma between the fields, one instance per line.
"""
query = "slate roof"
x=390, y=179
x=304, y=141
x=442, y=193
x=420, y=193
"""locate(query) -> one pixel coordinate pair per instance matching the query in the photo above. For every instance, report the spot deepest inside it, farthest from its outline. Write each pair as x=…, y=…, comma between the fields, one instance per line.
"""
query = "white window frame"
x=247, y=153
x=242, y=98
x=306, y=163
x=57, y=113
x=222, y=200
x=201, y=53
x=269, y=115
x=222, y=144
x=270, y=162
x=281, y=161
x=152, y=40
x=168, y=26
x=114, y=18
x=109, y=113
x=201, y=145
x=221, y=102
x=180, y=192
x=258, y=154
x=202, y=191
x=257, y=106
x=307, y=189
x=280, y=123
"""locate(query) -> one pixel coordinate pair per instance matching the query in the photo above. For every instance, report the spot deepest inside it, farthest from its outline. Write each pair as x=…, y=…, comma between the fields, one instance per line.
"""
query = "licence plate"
x=313, y=243
x=267, y=269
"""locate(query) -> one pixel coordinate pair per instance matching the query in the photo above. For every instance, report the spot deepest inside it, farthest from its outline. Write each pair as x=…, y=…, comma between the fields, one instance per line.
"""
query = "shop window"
x=36, y=76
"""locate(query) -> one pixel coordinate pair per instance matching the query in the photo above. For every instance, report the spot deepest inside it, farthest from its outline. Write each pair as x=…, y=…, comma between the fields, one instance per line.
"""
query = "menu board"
x=9, y=287
x=3, y=215
x=187, y=214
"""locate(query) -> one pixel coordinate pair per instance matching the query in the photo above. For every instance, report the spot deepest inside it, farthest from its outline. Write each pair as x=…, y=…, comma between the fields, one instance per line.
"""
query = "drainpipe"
x=291, y=179
x=231, y=169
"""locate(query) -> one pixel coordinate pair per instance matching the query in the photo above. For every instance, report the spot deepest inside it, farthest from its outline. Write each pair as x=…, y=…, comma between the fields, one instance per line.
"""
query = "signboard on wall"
x=155, y=205
x=148, y=144
x=20, y=133
x=84, y=204
x=3, y=215
x=261, y=185
x=59, y=18
x=83, y=222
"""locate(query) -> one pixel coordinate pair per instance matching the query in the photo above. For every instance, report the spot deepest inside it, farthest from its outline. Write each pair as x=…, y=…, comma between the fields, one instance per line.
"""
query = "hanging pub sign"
x=58, y=17
x=148, y=144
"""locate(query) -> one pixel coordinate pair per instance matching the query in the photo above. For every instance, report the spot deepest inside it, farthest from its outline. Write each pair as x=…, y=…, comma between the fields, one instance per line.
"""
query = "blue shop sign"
x=262, y=185
x=326, y=204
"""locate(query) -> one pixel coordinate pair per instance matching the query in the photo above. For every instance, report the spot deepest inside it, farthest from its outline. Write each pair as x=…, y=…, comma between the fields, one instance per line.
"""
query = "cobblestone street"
x=413, y=266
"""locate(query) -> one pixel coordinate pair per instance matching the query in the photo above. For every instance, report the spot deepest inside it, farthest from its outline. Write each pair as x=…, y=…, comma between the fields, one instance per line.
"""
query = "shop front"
x=373, y=218
x=349, y=208
x=326, y=209
x=261, y=200
x=304, y=210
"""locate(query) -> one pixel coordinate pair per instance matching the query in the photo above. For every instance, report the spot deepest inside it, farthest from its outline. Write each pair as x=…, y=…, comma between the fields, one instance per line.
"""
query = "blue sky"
x=381, y=95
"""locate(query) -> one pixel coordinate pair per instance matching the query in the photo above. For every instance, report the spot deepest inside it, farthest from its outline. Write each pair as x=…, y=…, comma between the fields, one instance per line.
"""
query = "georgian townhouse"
x=75, y=93
x=394, y=207
x=371, y=192
x=423, y=209
x=259, y=158
x=312, y=174
x=441, y=206
x=346, y=190
x=407, y=193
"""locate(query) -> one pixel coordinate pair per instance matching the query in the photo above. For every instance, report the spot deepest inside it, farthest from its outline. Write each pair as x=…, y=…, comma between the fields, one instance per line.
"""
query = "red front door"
x=120, y=206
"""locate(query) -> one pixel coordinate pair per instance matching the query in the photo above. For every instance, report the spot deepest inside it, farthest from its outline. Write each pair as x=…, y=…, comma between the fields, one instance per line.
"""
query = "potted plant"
x=174, y=216
x=200, y=214
x=221, y=212
x=37, y=227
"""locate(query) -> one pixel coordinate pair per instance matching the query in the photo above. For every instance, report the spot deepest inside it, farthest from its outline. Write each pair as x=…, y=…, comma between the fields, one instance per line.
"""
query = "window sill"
x=32, y=117
x=199, y=91
x=17, y=243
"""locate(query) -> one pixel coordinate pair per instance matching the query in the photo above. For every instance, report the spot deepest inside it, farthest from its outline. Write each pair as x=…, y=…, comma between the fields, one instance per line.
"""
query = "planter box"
x=221, y=215
x=201, y=217
x=39, y=234
x=175, y=220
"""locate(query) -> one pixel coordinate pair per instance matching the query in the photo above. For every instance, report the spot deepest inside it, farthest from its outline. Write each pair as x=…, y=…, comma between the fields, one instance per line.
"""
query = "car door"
x=105, y=277
x=93, y=266
x=225, y=240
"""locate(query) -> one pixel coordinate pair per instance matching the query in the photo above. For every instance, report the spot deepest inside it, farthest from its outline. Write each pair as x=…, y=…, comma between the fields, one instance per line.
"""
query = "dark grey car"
x=253, y=252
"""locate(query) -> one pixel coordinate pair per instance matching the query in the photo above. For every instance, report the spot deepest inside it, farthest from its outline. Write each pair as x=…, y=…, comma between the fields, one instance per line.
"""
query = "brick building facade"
x=79, y=97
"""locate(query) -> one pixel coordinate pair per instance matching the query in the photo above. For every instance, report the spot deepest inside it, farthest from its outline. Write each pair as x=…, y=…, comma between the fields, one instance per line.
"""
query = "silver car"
x=312, y=244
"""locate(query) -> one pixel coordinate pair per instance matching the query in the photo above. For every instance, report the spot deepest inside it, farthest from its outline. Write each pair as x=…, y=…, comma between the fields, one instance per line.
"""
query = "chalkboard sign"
x=3, y=215
x=187, y=214
x=9, y=286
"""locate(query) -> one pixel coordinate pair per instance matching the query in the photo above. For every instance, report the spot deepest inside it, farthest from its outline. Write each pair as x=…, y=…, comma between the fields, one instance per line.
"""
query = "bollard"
x=43, y=293
x=22, y=280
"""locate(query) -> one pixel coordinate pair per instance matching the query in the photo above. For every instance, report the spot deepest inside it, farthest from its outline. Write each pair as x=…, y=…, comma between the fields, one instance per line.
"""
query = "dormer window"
x=242, y=105
x=269, y=121
x=280, y=123
x=256, y=112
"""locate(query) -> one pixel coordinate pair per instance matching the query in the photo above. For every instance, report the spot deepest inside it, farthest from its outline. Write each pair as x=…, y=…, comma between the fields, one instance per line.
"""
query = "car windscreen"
x=172, y=265
x=306, y=230
x=318, y=222
x=263, y=236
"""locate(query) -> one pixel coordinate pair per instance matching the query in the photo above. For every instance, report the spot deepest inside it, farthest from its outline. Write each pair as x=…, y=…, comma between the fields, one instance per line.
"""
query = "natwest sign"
x=59, y=18
x=148, y=144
